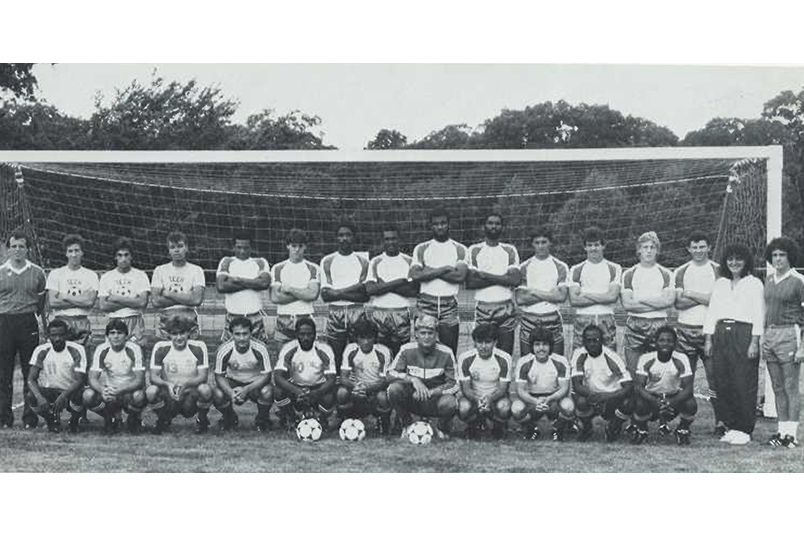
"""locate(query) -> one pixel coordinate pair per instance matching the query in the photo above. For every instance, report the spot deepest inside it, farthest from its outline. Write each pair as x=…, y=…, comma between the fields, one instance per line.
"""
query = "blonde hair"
x=650, y=236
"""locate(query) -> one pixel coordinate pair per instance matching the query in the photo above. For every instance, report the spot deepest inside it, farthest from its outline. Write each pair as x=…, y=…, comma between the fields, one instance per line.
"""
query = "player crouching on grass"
x=663, y=388
x=542, y=387
x=305, y=377
x=423, y=373
x=484, y=375
x=601, y=385
x=243, y=372
x=117, y=380
x=364, y=378
x=179, y=374
x=58, y=370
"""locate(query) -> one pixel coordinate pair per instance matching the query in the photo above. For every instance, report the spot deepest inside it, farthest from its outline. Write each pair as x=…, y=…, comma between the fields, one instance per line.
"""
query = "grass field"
x=244, y=450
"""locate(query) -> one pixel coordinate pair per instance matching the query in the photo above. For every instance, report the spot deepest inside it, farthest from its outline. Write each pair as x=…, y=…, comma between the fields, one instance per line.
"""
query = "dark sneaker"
x=639, y=437
x=574, y=428
x=585, y=433
x=229, y=422
x=201, y=425
x=614, y=428
x=54, y=426
x=533, y=434
x=111, y=425
x=558, y=434
x=632, y=428
x=161, y=426
x=261, y=426
x=683, y=437
x=73, y=427
x=473, y=431
x=776, y=440
x=498, y=431
x=664, y=429
x=28, y=426
x=789, y=442
x=134, y=424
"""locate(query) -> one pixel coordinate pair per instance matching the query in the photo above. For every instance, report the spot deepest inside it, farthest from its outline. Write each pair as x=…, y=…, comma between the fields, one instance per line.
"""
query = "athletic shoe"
x=54, y=426
x=73, y=427
x=28, y=426
x=574, y=428
x=228, y=422
x=639, y=437
x=110, y=425
x=534, y=434
x=728, y=436
x=776, y=440
x=789, y=442
x=558, y=434
x=664, y=429
x=134, y=424
x=632, y=428
x=260, y=426
x=614, y=428
x=473, y=430
x=161, y=426
x=683, y=437
x=585, y=433
x=440, y=434
x=739, y=438
x=498, y=431
x=201, y=425
x=720, y=430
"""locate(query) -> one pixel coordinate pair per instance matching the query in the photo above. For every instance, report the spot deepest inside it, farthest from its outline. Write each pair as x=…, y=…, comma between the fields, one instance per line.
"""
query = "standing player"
x=389, y=287
x=71, y=292
x=601, y=385
x=305, y=377
x=124, y=292
x=594, y=288
x=344, y=288
x=58, y=370
x=440, y=265
x=179, y=375
x=663, y=387
x=117, y=380
x=494, y=272
x=22, y=297
x=484, y=375
x=694, y=281
x=544, y=286
x=177, y=287
x=648, y=291
x=543, y=387
x=243, y=372
x=423, y=375
x=364, y=378
x=296, y=285
x=240, y=279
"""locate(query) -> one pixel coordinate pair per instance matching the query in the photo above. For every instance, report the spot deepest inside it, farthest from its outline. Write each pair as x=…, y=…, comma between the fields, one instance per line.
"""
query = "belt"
x=731, y=321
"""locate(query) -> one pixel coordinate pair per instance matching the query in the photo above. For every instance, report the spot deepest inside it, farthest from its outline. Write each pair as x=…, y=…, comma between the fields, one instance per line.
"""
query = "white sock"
x=792, y=429
x=781, y=426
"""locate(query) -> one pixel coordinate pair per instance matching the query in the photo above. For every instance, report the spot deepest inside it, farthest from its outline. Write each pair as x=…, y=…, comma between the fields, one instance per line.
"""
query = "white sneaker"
x=728, y=436
x=740, y=438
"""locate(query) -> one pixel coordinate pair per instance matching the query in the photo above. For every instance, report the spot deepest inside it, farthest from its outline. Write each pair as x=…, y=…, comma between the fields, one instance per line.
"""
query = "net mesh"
x=209, y=201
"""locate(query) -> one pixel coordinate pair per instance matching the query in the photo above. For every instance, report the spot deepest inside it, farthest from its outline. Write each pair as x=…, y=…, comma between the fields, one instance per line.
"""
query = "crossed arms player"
x=124, y=292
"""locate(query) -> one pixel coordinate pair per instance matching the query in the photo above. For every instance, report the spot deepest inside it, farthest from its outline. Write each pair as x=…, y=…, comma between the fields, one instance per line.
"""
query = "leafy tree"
x=387, y=139
x=18, y=78
x=449, y=137
x=265, y=131
x=30, y=125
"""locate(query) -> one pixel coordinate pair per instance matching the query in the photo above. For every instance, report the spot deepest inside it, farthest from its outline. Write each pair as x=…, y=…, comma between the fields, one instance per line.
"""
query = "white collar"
x=10, y=266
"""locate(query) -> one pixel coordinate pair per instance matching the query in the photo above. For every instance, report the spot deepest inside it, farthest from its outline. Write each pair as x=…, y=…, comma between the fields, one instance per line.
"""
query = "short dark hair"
x=666, y=329
x=591, y=327
x=18, y=235
x=541, y=334
x=541, y=231
x=785, y=244
x=122, y=242
x=741, y=252
x=296, y=236
x=175, y=237
x=243, y=234
x=390, y=227
x=485, y=331
x=363, y=329
x=178, y=323
x=346, y=223
x=116, y=324
x=494, y=214
x=305, y=321
x=72, y=239
x=58, y=323
x=240, y=321
x=593, y=234
x=439, y=211
x=698, y=236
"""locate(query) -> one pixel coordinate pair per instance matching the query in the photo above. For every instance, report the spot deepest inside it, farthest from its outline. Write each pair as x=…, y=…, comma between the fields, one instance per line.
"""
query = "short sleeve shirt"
x=245, y=367
x=663, y=377
x=386, y=268
x=648, y=283
x=246, y=301
x=435, y=254
x=595, y=278
x=341, y=271
x=72, y=284
x=59, y=368
x=297, y=275
x=179, y=366
x=127, y=285
x=783, y=299
x=546, y=275
x=485, y=375
x=117, y=367
x=601, y=374
x=494, y=260
x=20, y=290
x=542, y=378
x=693, y=277
x=183, y=279
x=307, y=367
x=370, y=368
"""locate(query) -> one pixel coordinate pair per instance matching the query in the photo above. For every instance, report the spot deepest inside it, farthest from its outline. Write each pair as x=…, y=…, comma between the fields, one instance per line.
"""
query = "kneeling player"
x=364, y=378
x=601, y=385
x=117, y=380
x=484, y=375
x=179, y=374
x=305, y=377
x=58, y=370
x=424, y=379
x=663, y=386
x=243, y=372
x=542, y=387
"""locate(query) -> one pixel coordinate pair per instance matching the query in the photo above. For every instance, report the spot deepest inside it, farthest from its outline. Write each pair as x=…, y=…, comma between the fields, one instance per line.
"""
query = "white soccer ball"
x=352, y=430
x=309, y=430
x=420, y=433
x=72, y=291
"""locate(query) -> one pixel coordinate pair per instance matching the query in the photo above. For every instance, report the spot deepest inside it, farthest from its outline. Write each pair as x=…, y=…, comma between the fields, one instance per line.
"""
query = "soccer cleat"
x=28, y=426
x=776, y=440
x=614, y=428
x=261, y=425
x=586, y=432
x=201, y=425
x=384, y=425
x=161, y=426
x=498, y=431
x=134, y=424
x=558, y=434
x=229, y=422
x=73, y=427
x=683, y=437
x=632, y=428
x=574, y=428
x=664, y=429
x=534, y=434
x=789, y=441
x=473, y=430
x=111, y=425
x=54, y=426
x=639, y=437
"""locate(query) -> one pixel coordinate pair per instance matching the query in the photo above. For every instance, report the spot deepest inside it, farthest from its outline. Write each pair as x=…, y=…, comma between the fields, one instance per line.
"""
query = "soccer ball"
x=420, y=433
x=352, y=430
x=73, y=291
x=309, y=430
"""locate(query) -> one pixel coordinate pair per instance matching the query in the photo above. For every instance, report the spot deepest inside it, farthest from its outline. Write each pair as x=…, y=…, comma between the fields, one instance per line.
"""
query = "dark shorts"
x=393, y=325
x=550, y=321
x=640, y=338
x=604, y=322
x=691, y=342
x=257, y=326
x=444, y=309
x=501, y=314
x=341, y=321
x=164, y=316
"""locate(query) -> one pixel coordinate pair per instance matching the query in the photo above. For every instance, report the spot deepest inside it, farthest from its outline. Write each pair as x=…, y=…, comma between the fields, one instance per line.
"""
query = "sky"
x=355, y=101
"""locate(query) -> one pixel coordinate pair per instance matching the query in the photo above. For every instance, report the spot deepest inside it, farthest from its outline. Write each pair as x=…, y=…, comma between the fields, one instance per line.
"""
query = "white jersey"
x=601, y=374
x=386, y=268
x=341, y=271
x=59, y=368
x=117, y=368
x=495, y=260
x=595, y=278
x=435, y=254
x=71, y=283
x=128, y=285
x=648, y=283
x=298, y=275
x=545, y=275
x=691, y=276
x=663, y=377
x=184, y=279
x=246, y=301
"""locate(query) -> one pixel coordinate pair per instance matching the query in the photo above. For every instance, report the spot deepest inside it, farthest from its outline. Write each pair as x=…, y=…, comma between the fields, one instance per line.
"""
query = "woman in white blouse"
x=734, y=323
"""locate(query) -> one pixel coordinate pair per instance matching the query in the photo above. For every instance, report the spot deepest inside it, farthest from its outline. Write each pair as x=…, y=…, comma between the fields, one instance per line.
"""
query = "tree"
x=264, y=131
x=162, y=116
x=450, y=137
x=18, y=78
x=31, y=125
x=387, y=139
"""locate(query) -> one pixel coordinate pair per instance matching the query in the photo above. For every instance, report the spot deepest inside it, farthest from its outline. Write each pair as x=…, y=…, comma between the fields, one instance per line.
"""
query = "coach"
x=22, y=293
